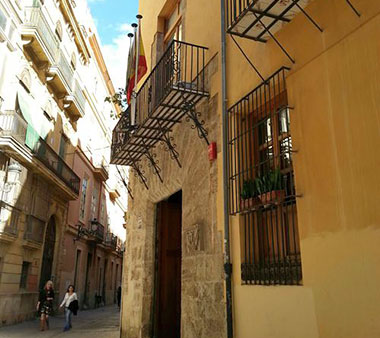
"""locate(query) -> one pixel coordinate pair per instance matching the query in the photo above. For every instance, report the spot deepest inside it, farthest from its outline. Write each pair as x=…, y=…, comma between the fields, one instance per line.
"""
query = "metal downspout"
x=227, y=254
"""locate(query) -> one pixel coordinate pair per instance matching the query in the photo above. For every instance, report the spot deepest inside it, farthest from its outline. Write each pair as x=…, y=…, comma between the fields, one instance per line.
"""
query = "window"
x=73, y=61
x=261, y=184
x=26, y=80
x=58, y=30
x=7, y=28
x=94, y=203
x=83, y=195
x=173, y=25
x=24, y=275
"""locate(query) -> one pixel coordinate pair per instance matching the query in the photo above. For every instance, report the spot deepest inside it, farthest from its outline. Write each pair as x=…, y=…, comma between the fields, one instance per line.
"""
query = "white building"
x=55, y=136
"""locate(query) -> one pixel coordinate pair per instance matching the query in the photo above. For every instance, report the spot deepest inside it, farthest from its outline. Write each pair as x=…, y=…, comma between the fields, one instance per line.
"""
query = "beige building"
x=53, y=117
x=293, y=190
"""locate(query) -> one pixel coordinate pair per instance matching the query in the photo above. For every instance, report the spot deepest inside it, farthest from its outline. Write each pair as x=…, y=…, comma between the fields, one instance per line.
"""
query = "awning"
x=38, y=125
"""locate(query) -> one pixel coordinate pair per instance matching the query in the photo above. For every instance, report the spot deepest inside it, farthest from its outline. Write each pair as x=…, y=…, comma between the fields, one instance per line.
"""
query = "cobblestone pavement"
x=99, y=323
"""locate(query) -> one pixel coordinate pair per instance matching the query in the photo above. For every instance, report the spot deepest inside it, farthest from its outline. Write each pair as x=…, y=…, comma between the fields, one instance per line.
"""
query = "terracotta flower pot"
x=249, y=203
x=272, y=197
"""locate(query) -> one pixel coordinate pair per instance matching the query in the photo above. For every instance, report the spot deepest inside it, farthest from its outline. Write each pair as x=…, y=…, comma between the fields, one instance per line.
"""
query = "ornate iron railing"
x=111, y=241
x=56, y=164
x=79, y=96
x=65, y=69
x=34, y=229
x=181, y=67
x=99, y=231
x=34, y=19
x=170, y=92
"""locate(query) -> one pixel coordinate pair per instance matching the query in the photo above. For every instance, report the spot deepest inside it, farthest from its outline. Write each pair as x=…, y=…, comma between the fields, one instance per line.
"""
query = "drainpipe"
x=227, y=254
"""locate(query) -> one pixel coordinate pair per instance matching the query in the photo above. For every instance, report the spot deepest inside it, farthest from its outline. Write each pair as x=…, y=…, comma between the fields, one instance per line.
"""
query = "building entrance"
x=167, y=314
x=48, y=255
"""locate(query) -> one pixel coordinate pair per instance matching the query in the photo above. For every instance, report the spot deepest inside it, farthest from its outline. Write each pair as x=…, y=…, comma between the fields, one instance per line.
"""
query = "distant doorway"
x=48, y=254
x=87, y=282
x=167, y=314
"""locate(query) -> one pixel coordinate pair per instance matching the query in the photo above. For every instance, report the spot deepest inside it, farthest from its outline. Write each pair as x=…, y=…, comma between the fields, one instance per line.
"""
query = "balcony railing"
x=37, y=27
x=111, y=241
x=56, y=164
x=13, y=125
x=180, y=69
x=260, y=19
x=79, y=96
x=34, y=229
x=63, y=70
x=9, y=217
x=175, y=85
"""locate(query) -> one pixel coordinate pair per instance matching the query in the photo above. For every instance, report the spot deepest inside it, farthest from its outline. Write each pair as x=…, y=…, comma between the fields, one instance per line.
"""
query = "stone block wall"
x=202, y=299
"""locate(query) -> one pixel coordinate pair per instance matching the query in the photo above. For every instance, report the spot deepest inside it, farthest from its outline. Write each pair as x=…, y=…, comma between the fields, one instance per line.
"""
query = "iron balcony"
x=260, y=19
x=176, y=82
x=12, y=138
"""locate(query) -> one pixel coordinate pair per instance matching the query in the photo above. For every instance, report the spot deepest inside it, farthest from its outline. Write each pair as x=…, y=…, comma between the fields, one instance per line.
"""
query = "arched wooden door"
x=48, y=255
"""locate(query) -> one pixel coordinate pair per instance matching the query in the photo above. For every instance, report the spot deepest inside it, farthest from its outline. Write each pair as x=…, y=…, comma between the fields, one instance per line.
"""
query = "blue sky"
x=113, y=19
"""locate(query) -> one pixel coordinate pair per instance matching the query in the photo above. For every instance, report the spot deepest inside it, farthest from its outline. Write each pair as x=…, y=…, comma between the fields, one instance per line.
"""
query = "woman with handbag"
x=45, y=304
x=70, y=302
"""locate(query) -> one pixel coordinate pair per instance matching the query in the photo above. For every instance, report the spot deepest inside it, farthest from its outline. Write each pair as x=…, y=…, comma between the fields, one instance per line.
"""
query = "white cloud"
x=116, y=56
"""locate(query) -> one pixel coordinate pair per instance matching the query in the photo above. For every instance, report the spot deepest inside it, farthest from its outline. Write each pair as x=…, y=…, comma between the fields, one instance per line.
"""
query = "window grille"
x=261, y=184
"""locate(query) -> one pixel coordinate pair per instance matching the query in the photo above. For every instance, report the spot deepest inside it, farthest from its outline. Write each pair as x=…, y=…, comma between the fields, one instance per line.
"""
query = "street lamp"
x=82, y=231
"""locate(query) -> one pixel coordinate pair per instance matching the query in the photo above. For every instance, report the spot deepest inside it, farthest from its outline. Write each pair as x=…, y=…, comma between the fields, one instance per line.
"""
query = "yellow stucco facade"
x=333, y=89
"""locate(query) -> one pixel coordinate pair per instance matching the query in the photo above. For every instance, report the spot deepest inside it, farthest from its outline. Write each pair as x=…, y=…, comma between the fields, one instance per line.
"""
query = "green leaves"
x=270, y=181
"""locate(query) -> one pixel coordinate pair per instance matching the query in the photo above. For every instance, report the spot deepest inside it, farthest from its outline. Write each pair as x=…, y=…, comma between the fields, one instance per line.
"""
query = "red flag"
x=142, y=66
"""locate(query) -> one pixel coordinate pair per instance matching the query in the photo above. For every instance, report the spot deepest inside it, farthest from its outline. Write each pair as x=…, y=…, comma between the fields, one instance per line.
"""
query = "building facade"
x=55, y=143
x=299, y=134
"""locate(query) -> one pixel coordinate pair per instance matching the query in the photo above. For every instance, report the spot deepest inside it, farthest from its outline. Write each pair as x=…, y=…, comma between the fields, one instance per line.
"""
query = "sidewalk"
x=98, y=323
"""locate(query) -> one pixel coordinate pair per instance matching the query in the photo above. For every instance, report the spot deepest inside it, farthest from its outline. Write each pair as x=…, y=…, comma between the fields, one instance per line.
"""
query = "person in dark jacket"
x=45, y=304
x=70, y=302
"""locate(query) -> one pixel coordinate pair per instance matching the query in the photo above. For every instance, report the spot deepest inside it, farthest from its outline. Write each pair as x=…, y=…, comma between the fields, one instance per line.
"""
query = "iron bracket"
x=152, y=161
x=194, y=116
x=138, y=172
x=167, y=140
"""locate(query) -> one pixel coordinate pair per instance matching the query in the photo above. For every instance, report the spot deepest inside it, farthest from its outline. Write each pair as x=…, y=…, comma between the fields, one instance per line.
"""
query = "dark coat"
x=73, y=307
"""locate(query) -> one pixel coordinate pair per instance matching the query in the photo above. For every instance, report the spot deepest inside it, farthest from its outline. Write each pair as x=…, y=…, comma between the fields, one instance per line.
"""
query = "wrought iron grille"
x=260, y=19
x=56, y=164
x=261, y=184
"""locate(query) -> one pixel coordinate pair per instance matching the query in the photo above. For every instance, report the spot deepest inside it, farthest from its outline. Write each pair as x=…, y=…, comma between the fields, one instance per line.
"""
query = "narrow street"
x=102, y=323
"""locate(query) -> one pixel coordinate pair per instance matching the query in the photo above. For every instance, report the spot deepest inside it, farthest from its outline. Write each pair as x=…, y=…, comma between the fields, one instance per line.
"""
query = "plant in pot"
x=269, y=187
x=248, y=195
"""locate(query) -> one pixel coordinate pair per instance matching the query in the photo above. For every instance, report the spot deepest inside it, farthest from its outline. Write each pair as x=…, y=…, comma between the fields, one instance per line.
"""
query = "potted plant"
x=248, y=195
x=269, y=187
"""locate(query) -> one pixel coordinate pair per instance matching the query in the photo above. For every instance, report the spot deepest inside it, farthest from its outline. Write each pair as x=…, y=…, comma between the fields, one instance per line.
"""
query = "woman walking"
x=70, y=302
x=45, y=304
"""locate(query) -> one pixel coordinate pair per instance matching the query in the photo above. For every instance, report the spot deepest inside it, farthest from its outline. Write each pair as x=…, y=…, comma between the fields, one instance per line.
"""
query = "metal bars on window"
x=261, y=183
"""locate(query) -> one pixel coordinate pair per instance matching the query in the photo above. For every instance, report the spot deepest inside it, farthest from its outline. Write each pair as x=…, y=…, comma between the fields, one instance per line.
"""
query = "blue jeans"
x=68, y=315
